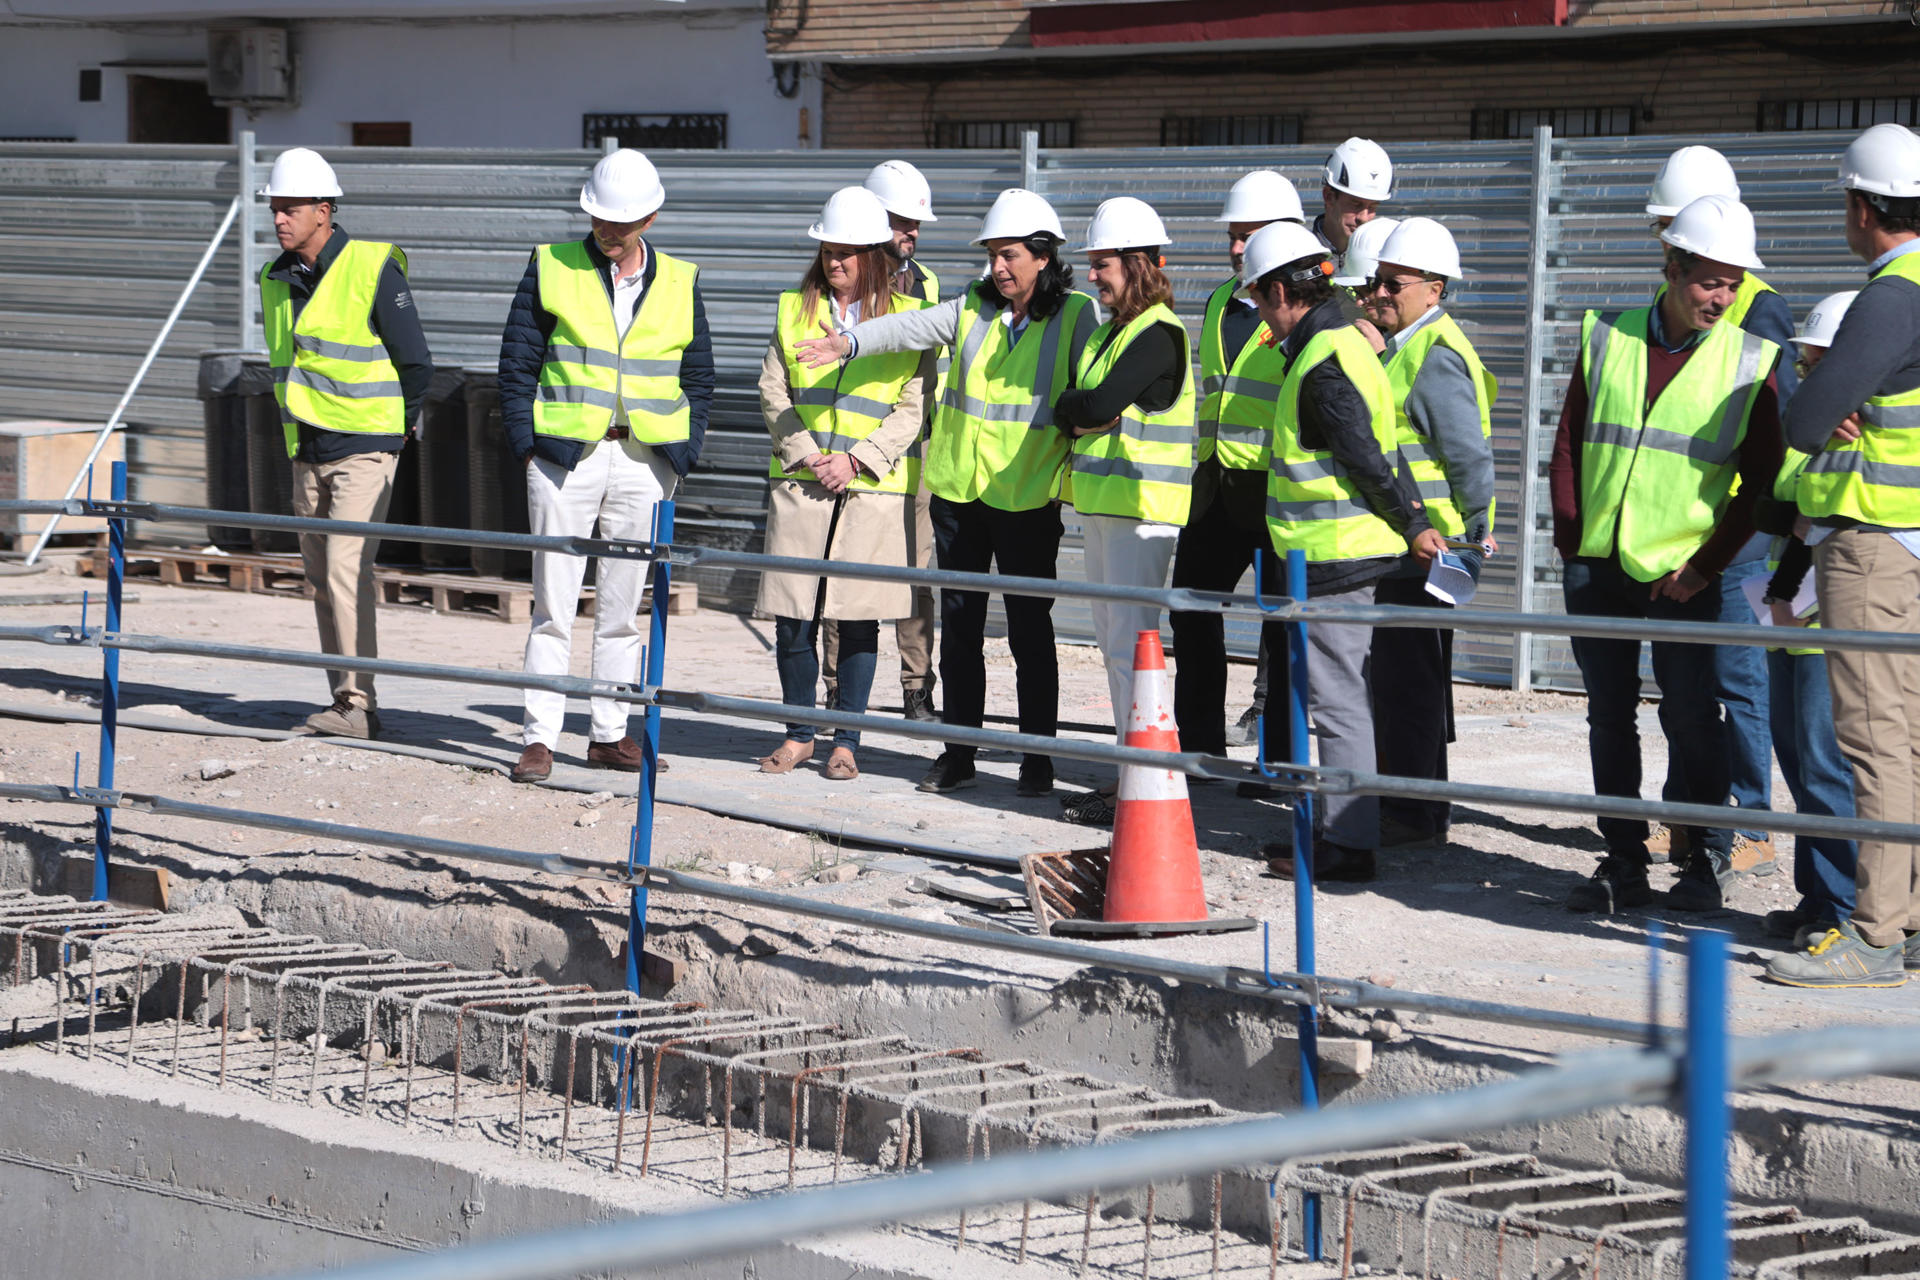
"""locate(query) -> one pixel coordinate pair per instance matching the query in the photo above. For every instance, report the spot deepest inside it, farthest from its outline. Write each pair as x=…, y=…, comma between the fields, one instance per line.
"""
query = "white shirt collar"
x=1900, y=250
x=1398, y=340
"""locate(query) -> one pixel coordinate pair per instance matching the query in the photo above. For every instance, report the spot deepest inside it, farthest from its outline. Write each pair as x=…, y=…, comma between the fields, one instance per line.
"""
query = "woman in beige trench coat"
x=844, y=466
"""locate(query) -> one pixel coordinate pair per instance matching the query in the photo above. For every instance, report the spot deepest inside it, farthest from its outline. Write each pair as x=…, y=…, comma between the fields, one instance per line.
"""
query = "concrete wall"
x=461, y=84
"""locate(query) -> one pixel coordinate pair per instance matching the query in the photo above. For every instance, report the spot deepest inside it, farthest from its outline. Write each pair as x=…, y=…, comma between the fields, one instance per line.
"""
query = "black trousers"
x=972, y=537
x=1227, y=525
x=1412, y=703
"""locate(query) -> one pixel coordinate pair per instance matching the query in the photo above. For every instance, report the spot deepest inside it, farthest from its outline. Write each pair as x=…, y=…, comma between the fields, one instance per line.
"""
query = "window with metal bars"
x=1000, y=134
x=1837, y=113
x=655, y=131
x=1566, y=122
x=1229, y=131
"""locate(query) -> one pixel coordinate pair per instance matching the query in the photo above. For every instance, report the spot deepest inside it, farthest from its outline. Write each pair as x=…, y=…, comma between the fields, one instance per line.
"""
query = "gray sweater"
x=1875, y=353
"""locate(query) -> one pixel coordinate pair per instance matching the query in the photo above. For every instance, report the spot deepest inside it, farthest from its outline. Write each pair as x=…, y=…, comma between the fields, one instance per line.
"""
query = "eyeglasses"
x=1394, y=288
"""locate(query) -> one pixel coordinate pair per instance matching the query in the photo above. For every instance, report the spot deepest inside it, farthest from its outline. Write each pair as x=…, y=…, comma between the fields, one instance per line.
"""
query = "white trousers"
x=617, y=484
x=1123, y=552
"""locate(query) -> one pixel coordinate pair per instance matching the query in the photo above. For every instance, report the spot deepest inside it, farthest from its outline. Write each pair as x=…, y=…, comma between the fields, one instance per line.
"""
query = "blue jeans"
x=799, y=663
x=1742, y=670
x=1817, y=775
x=1689, y=712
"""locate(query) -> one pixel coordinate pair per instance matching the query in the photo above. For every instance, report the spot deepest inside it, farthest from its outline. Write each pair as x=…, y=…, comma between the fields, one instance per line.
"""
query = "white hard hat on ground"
x=299, y=171
x=1823, y=321
x=1421, y=244
x=902, y=189
x=1688, y=174
x=1277, y=244
x=1262, y=196
x=1018, y=213
x=1360, y=167
x=1362, y=258
x=624, y=187
x=1717, y=228
x=853, y=215
x=1883, y=161
x=1124, y=222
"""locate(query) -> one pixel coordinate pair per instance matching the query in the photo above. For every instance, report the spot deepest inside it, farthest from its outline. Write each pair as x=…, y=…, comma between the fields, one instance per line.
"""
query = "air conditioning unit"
x=249, y=65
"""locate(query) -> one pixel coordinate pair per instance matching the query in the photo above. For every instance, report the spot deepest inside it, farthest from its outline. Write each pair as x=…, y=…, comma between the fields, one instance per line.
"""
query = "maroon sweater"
x=1759, y=458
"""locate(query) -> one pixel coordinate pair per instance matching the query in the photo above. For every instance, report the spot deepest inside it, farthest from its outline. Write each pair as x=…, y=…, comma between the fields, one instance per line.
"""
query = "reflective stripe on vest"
x=1875, y=479
x=590, y=369
x=1236, y=412
x=1311, y=504
x=842, y=404
x=992, y=438
x=1143, y=468
x=330, y=369
x=1654, y=482
x=1428, y=470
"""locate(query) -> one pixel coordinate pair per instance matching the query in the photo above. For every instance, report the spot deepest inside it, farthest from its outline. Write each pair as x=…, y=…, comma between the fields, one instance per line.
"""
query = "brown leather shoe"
x=624, y=755
x=536, y=763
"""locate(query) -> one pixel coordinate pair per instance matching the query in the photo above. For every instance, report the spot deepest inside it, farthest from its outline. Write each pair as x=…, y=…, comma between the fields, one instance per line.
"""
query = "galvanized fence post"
x=249, y=263
x=1533, y=394
x=640, y=850
x=1030, y=161
x=1706, y=1106
x=1300, y=752
x=109, y=686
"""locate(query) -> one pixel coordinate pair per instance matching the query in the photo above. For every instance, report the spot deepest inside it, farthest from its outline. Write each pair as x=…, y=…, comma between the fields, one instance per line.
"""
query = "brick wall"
x=1704, y=85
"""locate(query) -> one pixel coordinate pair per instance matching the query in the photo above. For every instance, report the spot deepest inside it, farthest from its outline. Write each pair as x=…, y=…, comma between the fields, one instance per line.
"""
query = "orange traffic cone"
x=1155, y=873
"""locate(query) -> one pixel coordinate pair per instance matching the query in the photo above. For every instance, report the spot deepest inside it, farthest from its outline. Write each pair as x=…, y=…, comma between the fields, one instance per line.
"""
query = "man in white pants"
x=606, y=374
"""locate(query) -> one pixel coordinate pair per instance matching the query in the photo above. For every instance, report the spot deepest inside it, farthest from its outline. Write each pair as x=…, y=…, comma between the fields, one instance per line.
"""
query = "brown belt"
x=619, y=433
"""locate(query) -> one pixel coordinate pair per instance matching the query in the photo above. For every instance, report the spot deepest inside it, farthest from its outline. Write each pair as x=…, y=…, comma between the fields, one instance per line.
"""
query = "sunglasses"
x=1394, y=288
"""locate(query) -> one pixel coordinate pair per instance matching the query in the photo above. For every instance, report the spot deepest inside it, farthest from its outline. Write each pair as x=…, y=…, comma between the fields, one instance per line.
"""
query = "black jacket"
x=397, y=322
x=523, y=349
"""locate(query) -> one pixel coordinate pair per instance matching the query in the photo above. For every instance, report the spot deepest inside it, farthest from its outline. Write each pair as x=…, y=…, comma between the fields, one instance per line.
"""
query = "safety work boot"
x=344, y=720
x=917, y=704
x=1668, y=844
x=1754, y=857
x=1840, y=957
x=1616, y=885
x=950, y=772
x=1911, y=948
x=1703, y=885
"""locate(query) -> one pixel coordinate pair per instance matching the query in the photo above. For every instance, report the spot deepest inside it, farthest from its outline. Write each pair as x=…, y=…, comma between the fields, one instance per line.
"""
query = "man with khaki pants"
x=351, y=370
x=1858, y=416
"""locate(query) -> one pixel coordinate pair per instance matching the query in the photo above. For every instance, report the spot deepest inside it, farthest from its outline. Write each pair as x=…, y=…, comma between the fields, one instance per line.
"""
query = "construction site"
x=276, y=1004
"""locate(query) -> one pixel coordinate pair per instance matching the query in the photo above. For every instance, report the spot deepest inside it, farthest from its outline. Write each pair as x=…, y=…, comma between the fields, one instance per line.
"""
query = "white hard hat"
x=1277, y=244
x=1018, y=213
x=299, y=171
x=1359, y=167
x=624, y=187
x=1420, y=244
x=1362, y=258
x=1262, y=196
x=1124, y=222
x=1688, y=174
x=1884, y=161
x=853, y=215
x=1823, y=321
x=902, y=189
x=1717, y=228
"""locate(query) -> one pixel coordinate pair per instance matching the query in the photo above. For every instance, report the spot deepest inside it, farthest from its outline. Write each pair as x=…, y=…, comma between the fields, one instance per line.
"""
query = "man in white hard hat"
x=1357, y=178
x=1443, y=415
x=1337, y=493
x=606, y=374
x=1240, y=375
x=908, y=200
x=351, y=371
x=1688, y=174
x=1858, y=416
x=1668, y=435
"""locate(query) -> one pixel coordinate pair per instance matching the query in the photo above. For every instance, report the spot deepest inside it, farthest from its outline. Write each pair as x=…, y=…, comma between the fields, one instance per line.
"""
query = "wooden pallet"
x=501, y=598
x=262, y=575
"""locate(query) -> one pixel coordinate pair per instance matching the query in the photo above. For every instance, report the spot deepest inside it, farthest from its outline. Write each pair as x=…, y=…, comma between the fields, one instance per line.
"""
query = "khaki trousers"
x=914, y=634
x=340, y=567
x=1869, y=582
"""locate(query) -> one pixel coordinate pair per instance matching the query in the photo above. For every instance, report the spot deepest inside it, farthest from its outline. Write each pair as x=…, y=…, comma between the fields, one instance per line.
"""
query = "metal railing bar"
x=1297, y=988
x=1606, y=1079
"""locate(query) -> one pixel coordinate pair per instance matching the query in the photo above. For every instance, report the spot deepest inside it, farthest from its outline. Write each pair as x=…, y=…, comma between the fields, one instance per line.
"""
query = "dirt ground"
x=1482, y=915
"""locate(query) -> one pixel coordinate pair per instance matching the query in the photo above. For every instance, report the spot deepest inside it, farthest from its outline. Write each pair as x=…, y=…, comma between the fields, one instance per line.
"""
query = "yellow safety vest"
x=1236, y=413
x=590, y=368
x=1312, y=505
x=843, y=404
x=993, y=438
x=1654, y=481
x=1143, y=468
x=1436, y=491
x=330, y=369
x=1875, y=479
